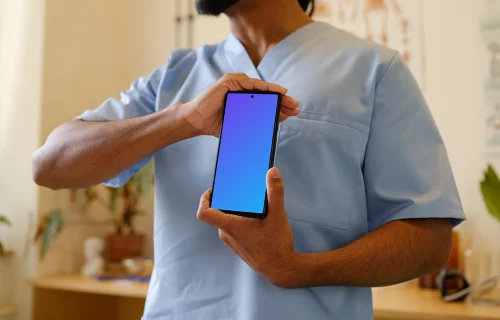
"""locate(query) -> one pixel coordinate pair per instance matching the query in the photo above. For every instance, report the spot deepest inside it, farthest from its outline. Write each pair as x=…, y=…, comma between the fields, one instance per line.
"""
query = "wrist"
x=181, y=112
x=301, y=272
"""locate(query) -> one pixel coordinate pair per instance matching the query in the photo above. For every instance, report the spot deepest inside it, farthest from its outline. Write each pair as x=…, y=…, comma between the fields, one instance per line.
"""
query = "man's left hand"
x=266, y=245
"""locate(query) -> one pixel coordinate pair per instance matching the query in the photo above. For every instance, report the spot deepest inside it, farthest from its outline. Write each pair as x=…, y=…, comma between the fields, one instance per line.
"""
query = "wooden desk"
x=118, y=300
x=7, y=311
x=80, y=284
x=413, y=303
x=78, y=298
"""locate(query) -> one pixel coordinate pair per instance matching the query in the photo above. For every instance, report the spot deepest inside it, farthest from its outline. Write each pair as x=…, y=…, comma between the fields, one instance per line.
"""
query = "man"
x=370, y=198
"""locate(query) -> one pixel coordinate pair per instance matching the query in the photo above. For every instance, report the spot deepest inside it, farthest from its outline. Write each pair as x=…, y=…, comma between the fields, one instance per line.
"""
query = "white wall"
x=210, y=30
x=82, y=67
x=20, y=92
x=453, y=89
x=146, y=37
x=85, y=63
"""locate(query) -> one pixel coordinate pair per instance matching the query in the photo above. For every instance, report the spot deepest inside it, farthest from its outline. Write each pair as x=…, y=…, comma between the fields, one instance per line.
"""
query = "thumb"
x=275, y=191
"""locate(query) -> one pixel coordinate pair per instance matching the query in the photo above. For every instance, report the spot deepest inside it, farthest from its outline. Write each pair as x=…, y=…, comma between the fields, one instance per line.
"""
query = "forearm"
x=398, y=251
x=80, y=154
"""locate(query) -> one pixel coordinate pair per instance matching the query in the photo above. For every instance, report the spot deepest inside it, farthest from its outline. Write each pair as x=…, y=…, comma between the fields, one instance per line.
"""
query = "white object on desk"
x=94, y=262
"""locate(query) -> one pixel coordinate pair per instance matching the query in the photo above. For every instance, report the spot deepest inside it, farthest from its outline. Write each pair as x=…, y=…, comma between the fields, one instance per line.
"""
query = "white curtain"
x=21, y=31
x=21, y=64
x=7, y=42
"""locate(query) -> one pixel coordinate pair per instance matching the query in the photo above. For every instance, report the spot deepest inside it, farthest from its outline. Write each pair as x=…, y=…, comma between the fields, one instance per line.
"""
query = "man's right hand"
x=204, y=113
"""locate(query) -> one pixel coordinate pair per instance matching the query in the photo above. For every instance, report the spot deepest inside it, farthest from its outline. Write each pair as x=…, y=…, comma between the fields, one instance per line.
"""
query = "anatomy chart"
x=490, y=58
x=394, y=23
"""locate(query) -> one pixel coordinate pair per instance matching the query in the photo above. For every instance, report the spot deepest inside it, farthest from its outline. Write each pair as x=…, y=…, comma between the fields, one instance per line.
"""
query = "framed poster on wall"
x=394, y=23
x=490, y=71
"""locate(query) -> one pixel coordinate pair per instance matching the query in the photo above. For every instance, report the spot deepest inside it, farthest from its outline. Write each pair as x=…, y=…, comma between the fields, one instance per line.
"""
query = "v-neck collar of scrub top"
x=239, y=60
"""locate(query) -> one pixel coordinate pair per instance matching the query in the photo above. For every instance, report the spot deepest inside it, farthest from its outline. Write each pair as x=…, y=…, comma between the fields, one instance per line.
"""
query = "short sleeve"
x=138, y=100
x=406, y=168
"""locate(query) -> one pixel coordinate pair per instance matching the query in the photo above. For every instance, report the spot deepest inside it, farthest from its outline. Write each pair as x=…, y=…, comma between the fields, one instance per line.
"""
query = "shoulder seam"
x=176, y=56
x=386, y=69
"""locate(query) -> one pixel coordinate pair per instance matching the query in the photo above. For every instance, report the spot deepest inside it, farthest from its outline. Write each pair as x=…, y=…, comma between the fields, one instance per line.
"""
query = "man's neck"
x=261, y=24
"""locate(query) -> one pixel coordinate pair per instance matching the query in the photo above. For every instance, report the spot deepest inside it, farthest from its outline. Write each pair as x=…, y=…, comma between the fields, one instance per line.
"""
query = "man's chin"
x=213, y=7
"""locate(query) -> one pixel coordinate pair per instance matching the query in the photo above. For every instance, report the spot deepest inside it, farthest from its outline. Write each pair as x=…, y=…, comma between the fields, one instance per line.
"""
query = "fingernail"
x=274, y=173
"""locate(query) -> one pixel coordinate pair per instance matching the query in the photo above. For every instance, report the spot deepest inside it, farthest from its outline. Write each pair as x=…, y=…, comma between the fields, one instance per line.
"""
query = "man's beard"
x=213, y=7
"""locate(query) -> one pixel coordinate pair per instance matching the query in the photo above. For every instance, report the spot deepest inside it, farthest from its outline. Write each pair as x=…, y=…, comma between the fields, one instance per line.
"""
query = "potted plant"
x=490, y=189
x=123, y=205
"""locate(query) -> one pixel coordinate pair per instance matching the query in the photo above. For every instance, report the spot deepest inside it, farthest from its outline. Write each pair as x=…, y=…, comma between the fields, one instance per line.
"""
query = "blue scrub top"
x=364, y=151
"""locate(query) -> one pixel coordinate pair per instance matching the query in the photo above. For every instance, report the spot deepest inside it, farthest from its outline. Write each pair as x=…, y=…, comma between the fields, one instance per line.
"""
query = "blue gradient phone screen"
x=244, y=152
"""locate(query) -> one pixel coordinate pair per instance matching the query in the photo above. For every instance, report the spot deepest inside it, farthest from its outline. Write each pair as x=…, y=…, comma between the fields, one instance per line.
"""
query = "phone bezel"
x=271, y=157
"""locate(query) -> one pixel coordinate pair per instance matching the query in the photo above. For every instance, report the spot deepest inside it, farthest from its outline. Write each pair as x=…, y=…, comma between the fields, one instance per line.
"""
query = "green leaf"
x=490, y=189
x=54, y=224
x=4, y=220
x=492, y=177
x=2, y=250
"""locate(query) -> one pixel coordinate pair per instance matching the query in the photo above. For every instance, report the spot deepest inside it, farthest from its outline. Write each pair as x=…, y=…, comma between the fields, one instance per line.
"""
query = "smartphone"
x=246, y=152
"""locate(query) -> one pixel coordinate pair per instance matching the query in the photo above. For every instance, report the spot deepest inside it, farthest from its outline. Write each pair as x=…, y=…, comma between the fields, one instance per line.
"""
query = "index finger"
x=259, y=85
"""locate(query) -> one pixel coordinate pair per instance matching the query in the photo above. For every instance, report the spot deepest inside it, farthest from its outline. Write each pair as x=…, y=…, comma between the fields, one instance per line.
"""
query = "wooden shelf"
x=79, y=283
x=7, y=310
x=398, y=302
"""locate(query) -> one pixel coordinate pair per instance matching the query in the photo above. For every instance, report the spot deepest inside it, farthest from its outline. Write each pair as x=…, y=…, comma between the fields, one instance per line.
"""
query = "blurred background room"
x=61, y=57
